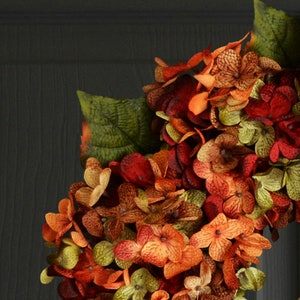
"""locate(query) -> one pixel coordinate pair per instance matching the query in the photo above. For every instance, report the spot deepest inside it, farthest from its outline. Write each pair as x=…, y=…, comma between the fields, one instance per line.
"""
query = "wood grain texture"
x=43, y=61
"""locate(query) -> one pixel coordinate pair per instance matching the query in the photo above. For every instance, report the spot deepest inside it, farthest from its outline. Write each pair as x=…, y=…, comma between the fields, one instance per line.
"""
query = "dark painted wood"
x=50, y=49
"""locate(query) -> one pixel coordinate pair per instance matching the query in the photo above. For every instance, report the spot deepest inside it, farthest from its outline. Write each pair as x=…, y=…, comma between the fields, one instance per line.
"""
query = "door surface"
x=48, y=50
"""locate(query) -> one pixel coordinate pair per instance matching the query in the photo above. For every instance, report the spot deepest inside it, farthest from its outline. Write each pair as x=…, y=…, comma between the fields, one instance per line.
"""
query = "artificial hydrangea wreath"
x=182, y=216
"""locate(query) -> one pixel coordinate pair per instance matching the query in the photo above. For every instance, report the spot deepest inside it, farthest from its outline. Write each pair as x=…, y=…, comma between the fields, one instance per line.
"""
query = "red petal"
x=266, y=92
x=212, y=206
x=190, y=180
x=249, y=164
x=280, y=200
x=126, y=250
x=183, y=151
x=257, y=109
x=173, y=161
x=297, y=204
x=230, y=278
x=67, y=289
x=135, y=168
x=282, y=101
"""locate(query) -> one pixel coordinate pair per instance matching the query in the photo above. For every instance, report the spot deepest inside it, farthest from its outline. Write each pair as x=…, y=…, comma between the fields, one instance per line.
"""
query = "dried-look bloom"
x=237, y=71
x=96, y=179
x=217, y=235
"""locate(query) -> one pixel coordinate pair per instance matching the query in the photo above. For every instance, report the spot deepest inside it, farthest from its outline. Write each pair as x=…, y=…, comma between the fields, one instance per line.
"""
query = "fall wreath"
x=209, y=160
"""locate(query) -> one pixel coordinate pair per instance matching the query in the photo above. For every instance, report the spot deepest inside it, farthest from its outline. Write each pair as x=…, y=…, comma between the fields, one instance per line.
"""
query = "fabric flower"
x=237, y=71
x=216, y=235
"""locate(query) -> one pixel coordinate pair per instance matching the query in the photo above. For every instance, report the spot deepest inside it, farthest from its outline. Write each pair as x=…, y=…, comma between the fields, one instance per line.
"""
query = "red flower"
x=275, y=104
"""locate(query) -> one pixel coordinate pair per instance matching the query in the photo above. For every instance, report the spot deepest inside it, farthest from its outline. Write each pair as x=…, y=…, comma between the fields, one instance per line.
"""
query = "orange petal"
x=126, y=250
x=207, y=80
x=155, y=253
x=79, y=239
x=198, y=103
x=218, y=248
x=160, y=295
x=161, y=158
x=191, y=256
x=195, y=60
x=180, y=125
x=63, y=206
x=229, y=46
x=48, y=234
x=230, y=278
x=57, y=221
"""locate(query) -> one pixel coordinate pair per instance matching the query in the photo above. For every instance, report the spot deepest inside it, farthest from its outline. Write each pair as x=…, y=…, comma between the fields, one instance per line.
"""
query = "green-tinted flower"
x=229, y=118
x=103, y=252
x=270, y=181
x=251, y=278
x=254, y=132
x=141, y=282
x=67, y=255
x=292, y=179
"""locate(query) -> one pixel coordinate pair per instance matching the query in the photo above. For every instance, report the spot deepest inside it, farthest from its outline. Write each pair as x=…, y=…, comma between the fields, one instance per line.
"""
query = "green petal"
x=265, y=141
x=103, y=253
x=255, y=93
x=142, y=278
x=44, y=278
x=296, y=109
x=142, y=201
x=124, y=293
x=229, y=118
x=263, y=198
x=272, y=180
x=117, y=127
x=292, y=181
x=248, y=136
x=251, y=278
x=68, y=257
x=256, y=213
x=123, y=264
x=196, y=197
x=173, y=133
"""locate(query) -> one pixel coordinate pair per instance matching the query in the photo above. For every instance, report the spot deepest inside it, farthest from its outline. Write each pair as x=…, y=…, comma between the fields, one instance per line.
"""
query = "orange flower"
x=166, y=243
x=125, y=212
x=96, y=179
x=191, y=256
x=217, y=184
x=222, y=152
x=237, y=71
x=87, y=270
x=250, y=243
x=199, y=285
x=217, y=235
x=240, y=200
x=57, y=224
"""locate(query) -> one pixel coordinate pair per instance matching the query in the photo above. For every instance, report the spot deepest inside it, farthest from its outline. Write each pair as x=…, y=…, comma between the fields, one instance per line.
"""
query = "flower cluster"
x=187, y=222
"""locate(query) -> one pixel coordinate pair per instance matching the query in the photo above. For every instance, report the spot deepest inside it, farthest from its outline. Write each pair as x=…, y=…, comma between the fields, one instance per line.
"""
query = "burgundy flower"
x=275, y=104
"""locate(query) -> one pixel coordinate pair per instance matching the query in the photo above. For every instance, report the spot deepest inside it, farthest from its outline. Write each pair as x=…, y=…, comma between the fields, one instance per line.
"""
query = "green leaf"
x=275, y=35
x=116, y=127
